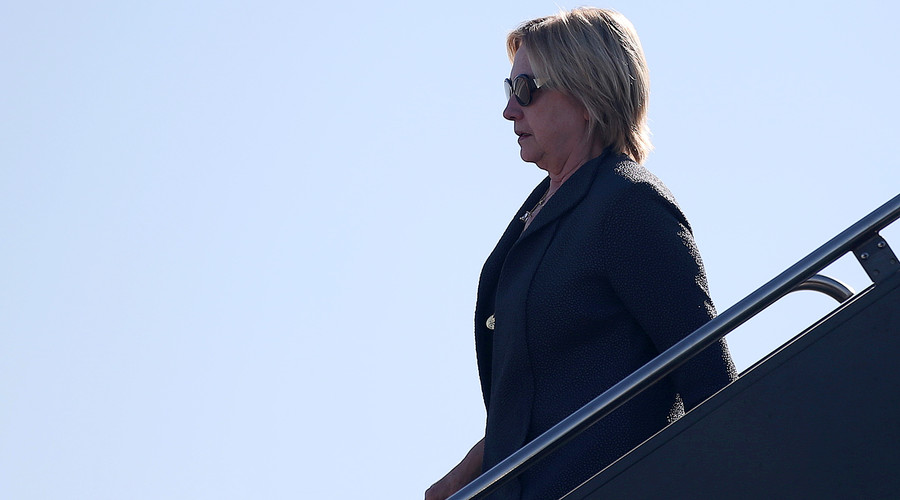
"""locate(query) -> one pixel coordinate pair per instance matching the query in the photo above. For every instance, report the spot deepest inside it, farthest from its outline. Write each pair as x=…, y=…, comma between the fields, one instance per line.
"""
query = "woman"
x=598, y=271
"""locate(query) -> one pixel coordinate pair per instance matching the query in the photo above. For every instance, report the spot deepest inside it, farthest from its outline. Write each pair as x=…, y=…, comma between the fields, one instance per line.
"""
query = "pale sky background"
x=241, y=240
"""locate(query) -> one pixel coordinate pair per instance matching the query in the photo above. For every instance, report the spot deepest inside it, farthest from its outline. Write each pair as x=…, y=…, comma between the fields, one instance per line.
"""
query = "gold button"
x=490, y=322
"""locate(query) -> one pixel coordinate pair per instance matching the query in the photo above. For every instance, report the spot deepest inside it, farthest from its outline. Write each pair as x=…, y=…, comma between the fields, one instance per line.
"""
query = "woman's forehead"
x=521, y=63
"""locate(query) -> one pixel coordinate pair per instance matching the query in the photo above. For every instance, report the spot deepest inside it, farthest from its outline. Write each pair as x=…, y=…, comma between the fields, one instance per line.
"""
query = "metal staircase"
x=818, y=418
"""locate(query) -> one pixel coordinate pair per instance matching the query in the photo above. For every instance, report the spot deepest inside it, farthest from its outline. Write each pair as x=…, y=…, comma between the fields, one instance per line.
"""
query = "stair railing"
x=862, y=238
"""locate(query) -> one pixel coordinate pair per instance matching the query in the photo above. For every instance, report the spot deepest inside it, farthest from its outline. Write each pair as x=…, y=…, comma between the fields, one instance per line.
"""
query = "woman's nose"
x=513, y=109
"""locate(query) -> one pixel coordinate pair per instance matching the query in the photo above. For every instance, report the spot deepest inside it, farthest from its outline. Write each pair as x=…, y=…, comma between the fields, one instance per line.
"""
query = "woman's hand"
x=461, y=475
x=447, y=486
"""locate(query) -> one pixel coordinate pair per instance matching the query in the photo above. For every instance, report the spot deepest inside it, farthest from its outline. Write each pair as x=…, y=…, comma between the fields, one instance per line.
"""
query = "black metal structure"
x=861, y=238
x=818, y=418
x=829, y=286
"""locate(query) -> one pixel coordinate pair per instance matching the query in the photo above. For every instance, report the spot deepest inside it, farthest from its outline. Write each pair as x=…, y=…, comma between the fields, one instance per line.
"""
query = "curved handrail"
x=829, y=286
x=678, y=354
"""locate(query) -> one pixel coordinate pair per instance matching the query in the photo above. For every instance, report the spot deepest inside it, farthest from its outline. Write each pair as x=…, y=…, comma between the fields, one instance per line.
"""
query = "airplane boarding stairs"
x=817, y=418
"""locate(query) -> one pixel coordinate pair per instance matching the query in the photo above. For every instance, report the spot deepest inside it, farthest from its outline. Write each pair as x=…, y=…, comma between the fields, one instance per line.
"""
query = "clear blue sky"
x=241, y=240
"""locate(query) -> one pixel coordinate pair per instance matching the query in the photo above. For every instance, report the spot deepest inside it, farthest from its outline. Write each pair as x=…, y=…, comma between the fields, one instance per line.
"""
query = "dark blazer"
x=606, y=277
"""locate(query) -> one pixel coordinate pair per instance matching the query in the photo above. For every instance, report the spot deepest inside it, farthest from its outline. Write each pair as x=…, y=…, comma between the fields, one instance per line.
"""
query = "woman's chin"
x=529, y=156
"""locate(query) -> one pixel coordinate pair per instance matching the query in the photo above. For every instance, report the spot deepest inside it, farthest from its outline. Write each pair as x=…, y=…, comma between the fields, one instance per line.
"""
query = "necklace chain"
x=529, y=214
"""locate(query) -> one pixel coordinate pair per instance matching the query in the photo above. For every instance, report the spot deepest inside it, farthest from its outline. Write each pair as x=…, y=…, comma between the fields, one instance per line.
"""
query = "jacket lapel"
x=569, y=194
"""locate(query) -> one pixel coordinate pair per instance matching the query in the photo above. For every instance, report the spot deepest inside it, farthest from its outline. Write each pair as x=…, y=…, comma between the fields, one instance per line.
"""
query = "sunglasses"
x=523, y=87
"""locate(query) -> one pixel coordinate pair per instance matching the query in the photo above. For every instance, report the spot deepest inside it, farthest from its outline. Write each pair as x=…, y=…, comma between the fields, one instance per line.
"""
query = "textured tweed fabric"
x=604, y=278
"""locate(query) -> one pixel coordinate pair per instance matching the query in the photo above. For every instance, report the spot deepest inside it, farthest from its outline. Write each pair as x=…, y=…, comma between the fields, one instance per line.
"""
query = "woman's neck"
x=558, y=177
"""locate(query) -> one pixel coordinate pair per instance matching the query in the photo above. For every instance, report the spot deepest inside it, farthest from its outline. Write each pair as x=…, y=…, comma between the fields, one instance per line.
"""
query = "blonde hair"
x=595, y=56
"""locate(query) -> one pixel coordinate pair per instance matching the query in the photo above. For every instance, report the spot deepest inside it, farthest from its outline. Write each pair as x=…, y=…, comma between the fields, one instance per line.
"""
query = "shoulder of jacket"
x=636, y=179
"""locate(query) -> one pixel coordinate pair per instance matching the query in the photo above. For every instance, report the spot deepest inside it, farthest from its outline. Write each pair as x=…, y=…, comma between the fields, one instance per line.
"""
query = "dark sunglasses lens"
x=522, y=90
x=507, y=87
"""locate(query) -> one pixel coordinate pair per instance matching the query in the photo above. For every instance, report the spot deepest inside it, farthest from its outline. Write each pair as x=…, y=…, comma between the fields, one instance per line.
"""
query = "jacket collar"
x=566, y=197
